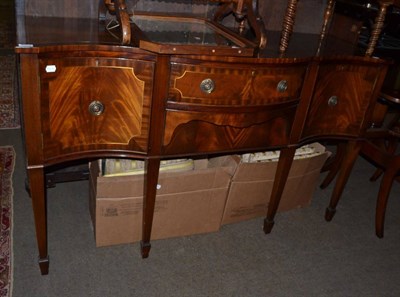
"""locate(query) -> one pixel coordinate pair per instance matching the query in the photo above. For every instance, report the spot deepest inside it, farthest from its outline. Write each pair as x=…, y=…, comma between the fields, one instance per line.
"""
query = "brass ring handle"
x=96, y=108
x=282, y=86
x=333, y=101
x=207, y=86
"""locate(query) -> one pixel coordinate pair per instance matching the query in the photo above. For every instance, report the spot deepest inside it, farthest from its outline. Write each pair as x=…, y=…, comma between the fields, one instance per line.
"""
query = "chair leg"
x=390, y=148
x=383, y=195
x=333, y=165
x=352, y=150
x=378, y=172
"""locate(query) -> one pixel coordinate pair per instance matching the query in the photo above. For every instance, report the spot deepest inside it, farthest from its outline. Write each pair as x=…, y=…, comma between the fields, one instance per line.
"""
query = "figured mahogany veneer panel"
x=249, y=106
x=70, y=85
x=341, y=99
x=235, y=84
x=226, y=130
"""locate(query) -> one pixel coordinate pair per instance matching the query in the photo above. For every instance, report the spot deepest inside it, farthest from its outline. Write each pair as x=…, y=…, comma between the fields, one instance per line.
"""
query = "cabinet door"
x=343, y=97
x=226, y=107
x=93, y=104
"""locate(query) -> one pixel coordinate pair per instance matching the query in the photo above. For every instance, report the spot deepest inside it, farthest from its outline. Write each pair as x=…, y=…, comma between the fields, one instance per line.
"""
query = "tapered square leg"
x=149, y=199
x=38, y=195
x=44, y=265
x=281, y=175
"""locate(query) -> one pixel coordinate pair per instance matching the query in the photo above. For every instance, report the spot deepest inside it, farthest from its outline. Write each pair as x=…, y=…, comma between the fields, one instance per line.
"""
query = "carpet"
x=7, y=161
x=9, y=105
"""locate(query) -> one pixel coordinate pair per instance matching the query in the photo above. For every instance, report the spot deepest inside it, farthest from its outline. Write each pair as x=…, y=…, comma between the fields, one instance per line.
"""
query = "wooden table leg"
x=281, y=175
x=38, y=195
x=352, y=151
x=150, y=191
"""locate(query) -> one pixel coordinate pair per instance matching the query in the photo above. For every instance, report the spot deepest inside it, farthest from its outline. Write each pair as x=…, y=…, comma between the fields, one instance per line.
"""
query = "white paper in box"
x=252, y=183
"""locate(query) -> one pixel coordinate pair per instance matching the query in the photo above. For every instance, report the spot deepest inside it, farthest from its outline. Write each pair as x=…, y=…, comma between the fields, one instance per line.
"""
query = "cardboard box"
x=252, y=183
x=187, y=202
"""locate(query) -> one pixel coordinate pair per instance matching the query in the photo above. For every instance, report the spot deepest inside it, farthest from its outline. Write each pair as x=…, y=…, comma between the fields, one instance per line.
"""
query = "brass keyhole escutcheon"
x=96, y=108
x=282, y=86
x=333, y=101
x=207, y=86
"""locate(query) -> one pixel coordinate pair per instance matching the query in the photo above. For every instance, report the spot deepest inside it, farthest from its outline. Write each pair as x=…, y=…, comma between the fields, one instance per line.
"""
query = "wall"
x=58, y=8
x=309, y=15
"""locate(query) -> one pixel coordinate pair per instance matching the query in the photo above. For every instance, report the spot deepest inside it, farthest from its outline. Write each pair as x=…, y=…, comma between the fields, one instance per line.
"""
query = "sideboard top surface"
x=51, y=31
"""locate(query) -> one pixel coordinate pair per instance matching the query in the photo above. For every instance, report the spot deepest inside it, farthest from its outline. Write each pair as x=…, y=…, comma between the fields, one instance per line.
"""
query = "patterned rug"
x=7, y=161
x=9, y=105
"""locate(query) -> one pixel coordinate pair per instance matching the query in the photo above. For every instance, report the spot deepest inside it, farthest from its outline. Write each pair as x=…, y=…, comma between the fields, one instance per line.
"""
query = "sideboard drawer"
x=95, y=103
x=236, y=85
x=227, y=129
x=223, y=106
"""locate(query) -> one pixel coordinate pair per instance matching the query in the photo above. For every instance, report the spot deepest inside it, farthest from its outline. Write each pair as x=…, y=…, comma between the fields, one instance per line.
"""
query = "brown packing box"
x=187, y=202
x=252, y=183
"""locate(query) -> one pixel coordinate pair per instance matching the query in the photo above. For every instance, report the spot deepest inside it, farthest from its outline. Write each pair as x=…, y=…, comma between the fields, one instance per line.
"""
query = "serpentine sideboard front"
x=83, y=99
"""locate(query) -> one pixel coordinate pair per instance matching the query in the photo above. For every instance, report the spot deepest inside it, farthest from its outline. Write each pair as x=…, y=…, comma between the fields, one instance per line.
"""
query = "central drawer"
x=235, y=85
x=222, y=107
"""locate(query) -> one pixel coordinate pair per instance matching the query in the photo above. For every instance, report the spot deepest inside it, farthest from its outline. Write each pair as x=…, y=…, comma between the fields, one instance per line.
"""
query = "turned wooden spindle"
x=327, y=18
x=288, y=24
x=378, y=25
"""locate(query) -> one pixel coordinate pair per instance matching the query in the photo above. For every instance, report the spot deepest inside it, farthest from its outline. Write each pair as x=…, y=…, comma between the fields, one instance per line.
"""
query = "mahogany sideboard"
x=85, y=96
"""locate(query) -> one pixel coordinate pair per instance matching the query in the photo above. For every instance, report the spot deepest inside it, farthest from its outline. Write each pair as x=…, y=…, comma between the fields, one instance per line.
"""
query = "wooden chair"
x=380, y=142
x=118, y=9
x=243, y=10
x=385, y=157
x=333, y=165
x=379, y=145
